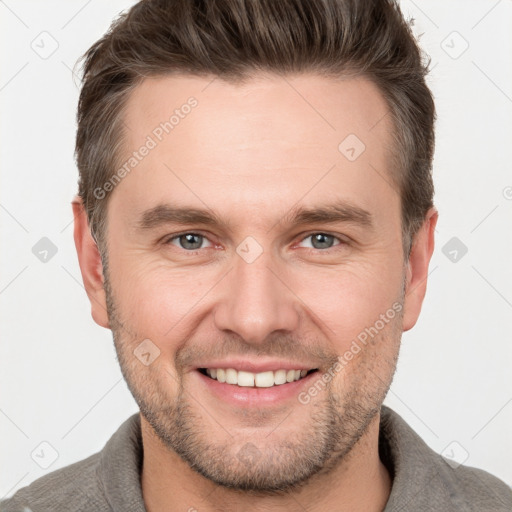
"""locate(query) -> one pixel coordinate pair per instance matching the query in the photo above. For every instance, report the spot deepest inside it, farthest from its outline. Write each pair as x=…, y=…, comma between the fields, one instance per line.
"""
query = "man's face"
x=257, y=287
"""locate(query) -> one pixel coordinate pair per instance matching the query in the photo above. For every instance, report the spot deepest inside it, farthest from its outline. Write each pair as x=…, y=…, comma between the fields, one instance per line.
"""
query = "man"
x=290, y=144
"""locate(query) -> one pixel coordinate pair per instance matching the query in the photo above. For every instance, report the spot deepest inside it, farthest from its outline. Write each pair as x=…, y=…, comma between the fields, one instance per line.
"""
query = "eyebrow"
x=340, y=211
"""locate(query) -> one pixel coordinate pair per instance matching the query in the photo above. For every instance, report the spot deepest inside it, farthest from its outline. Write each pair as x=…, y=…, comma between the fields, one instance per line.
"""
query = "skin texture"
x=251, y=153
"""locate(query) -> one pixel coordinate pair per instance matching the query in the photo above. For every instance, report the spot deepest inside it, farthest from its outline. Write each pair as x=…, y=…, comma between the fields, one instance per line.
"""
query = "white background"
x=59, y=379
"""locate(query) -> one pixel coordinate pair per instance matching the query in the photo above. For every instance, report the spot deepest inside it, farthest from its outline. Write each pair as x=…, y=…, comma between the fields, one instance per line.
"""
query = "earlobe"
x=90, y=263
x=417, y=269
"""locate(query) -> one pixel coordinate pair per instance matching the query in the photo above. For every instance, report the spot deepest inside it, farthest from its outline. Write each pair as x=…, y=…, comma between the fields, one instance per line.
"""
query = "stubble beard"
x=282, y=463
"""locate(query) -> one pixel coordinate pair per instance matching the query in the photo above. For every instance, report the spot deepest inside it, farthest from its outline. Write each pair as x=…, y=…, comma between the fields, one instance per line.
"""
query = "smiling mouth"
x=257, y=380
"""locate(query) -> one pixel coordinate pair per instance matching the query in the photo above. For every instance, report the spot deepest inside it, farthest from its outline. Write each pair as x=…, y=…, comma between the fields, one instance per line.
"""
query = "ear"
x=417, y=269
x=90, y=264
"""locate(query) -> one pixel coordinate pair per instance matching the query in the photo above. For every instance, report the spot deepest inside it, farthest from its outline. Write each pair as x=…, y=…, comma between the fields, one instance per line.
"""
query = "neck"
x=359, y=482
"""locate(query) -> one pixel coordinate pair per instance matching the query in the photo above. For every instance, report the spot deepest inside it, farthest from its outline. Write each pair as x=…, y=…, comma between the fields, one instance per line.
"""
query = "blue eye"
x=188, y=241
x=323, y=240
x=194, y=241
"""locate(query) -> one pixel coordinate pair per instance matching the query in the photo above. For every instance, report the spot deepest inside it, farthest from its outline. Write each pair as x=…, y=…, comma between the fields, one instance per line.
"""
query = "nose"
x=256, y=300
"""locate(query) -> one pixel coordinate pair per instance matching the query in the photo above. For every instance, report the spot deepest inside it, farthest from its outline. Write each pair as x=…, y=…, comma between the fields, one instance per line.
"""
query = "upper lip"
x=257, y=366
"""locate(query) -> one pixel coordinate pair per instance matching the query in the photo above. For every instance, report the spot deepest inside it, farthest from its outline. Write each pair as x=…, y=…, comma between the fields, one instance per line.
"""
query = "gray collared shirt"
x=422, y=480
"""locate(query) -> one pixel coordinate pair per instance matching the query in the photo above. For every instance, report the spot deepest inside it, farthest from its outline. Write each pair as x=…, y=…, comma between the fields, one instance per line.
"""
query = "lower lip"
x=252, y=396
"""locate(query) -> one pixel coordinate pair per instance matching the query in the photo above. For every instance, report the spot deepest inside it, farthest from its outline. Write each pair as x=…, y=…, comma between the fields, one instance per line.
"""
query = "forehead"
x=269, y=140
x=319, y=109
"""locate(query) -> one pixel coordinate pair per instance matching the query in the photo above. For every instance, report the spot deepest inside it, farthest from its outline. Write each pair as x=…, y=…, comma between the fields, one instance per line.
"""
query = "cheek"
x=346, y=301
x=163, y=303
x=155, y=300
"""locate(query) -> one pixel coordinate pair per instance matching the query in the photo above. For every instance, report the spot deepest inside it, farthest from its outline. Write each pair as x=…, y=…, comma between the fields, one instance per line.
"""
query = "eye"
x=194, y=241
x=187, y=241
x=323, y=240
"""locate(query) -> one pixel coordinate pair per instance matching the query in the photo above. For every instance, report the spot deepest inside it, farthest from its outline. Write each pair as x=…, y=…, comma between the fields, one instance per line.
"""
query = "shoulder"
x=105, y=480
x=426, y=481
x=474, y=488
x=74, y=487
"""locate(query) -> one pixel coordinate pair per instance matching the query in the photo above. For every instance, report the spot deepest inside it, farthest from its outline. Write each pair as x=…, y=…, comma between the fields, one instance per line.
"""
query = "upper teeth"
x=260, y=380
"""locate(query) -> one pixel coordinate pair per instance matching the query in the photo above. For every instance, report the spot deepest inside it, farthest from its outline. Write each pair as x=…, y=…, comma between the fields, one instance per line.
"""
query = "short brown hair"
x=234, y=39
